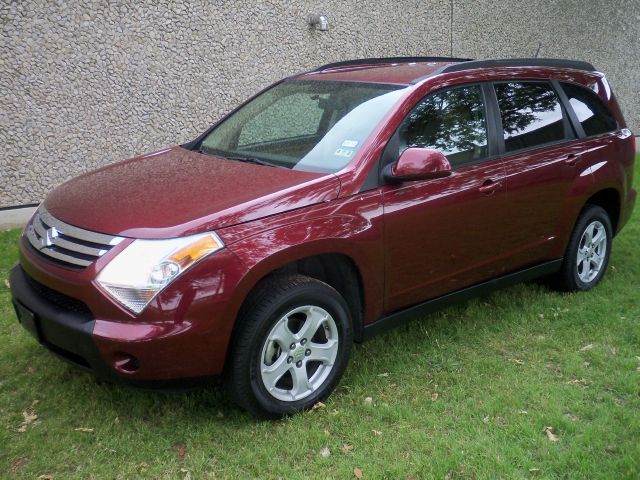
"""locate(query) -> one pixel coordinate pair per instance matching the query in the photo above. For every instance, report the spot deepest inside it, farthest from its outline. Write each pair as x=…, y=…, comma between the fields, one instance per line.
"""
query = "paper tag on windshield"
x=350, y=143
x=343, y=152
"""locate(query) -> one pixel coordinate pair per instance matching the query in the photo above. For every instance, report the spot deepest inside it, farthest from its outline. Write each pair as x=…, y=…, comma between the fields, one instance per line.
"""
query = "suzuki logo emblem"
x=49, y=236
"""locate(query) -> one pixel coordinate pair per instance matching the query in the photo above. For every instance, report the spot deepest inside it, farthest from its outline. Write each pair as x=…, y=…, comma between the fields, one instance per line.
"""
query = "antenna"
x=538, y=51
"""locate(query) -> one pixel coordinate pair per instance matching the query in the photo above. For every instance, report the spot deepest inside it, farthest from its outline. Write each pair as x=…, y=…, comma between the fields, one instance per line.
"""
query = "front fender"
x=350, y=226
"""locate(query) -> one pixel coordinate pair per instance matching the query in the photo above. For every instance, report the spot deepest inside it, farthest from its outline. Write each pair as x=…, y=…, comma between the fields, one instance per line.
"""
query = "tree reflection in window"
x=531, y=114
x=452, y=121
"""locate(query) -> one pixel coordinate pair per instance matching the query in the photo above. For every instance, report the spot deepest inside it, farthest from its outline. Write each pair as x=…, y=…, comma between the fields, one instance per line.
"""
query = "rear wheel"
x=588, y=252
x=291, y=347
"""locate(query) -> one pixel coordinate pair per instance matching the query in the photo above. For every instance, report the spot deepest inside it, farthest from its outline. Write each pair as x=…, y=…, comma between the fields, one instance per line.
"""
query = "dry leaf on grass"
x=317, y=406
x=581, y=381
x=376, y=432
x=551, y=435
x=486, y=419
x=181, y=451
x=325, y=452
x=385, y=374
x=6, y=283
x=357, y=472
x=434, y=396
x=18, y=464
x=84, y=429
x=29, y=416
x=347, y=447
x=517, y=361
x=45, y=477
x=586, y=347
x=368, y=401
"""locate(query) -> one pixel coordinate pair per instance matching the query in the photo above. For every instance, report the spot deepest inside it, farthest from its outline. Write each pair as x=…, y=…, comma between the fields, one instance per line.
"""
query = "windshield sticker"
x=350, y=143
x=344, y=152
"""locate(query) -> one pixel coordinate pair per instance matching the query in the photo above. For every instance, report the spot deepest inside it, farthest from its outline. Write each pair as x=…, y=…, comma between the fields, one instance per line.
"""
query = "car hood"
x=178, y=192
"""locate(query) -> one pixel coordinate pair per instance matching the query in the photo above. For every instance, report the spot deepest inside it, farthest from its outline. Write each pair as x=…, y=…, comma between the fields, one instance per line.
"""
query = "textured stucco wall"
x=87, y=83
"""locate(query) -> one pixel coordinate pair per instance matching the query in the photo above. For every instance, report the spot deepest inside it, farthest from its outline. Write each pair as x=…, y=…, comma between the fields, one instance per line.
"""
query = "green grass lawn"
x=465, y=393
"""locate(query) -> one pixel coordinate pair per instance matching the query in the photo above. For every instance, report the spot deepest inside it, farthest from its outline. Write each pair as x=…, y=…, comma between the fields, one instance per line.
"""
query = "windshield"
x=315, y=126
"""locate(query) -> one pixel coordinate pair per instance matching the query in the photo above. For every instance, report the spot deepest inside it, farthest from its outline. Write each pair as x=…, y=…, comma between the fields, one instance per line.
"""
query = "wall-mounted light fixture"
x=321, y=22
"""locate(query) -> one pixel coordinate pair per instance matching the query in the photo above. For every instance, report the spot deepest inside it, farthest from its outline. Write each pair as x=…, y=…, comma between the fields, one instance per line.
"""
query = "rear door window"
x=592, y=114
x=531, y=114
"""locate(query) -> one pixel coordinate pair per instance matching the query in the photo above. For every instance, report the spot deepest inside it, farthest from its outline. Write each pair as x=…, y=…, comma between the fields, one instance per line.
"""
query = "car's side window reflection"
x=531, y=114
x=452, y=121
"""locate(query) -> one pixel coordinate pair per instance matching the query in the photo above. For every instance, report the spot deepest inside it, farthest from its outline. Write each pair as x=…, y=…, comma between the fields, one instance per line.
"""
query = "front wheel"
x=291, y=347
x=588, y=252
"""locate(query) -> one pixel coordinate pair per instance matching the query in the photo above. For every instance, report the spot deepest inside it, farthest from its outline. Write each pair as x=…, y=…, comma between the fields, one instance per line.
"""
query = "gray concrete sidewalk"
x=15, y=217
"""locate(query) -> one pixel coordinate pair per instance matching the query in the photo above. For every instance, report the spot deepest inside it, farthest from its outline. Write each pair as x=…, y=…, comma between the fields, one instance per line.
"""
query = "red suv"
x=329, y=207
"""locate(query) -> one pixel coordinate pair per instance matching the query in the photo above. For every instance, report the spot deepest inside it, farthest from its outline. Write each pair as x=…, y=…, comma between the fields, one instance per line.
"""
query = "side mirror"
x=417, y=164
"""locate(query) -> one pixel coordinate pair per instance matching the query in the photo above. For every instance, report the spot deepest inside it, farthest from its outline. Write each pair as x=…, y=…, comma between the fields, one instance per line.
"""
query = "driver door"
x=446, y=234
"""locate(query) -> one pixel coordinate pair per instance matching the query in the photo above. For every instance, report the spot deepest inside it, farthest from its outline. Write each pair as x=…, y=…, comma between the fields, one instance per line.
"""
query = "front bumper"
x=183, y=334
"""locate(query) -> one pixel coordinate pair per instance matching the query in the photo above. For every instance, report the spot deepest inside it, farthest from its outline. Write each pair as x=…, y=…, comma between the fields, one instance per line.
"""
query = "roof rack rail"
x=383, y=60
x=519, y=62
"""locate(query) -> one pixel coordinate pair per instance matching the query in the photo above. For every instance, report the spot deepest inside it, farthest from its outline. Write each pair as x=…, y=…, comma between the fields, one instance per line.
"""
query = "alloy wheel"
x=592, y=251
x=299, y=353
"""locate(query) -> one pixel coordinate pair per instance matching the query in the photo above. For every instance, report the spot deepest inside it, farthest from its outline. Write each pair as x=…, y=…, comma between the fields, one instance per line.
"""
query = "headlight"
x=138, y=273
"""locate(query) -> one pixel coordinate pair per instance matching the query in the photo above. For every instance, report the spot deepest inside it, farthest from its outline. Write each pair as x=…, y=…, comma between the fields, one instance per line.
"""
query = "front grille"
x=59, y=300
x=65, y=244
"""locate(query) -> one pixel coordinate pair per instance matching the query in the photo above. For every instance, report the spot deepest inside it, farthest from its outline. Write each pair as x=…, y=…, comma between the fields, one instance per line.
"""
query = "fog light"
x=126, y=363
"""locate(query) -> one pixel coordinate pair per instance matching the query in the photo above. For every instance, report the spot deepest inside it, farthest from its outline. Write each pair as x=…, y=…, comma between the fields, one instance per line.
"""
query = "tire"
x=290, y=348
x=587, y=254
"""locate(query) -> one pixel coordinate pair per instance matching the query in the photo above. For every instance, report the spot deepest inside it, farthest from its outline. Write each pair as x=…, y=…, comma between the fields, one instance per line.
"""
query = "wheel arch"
x=608, y=199
x=321, y=260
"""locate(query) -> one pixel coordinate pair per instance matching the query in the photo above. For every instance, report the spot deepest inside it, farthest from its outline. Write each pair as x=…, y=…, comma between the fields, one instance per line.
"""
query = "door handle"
x=572, y=159
x=489, y=186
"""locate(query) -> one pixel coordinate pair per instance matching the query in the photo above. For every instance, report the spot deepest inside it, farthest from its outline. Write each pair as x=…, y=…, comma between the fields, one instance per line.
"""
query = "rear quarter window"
x=591, y=112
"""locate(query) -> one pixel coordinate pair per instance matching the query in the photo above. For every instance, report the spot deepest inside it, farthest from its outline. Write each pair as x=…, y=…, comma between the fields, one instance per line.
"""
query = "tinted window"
x=531, y=114
x=452, y=122
x=592, y=114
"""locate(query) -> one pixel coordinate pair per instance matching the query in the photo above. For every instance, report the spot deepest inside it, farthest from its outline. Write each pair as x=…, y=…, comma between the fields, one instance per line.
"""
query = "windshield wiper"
x=254, y=160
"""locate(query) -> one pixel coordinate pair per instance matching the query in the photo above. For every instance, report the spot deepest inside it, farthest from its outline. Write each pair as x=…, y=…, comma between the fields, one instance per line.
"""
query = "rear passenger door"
x=539, y=159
